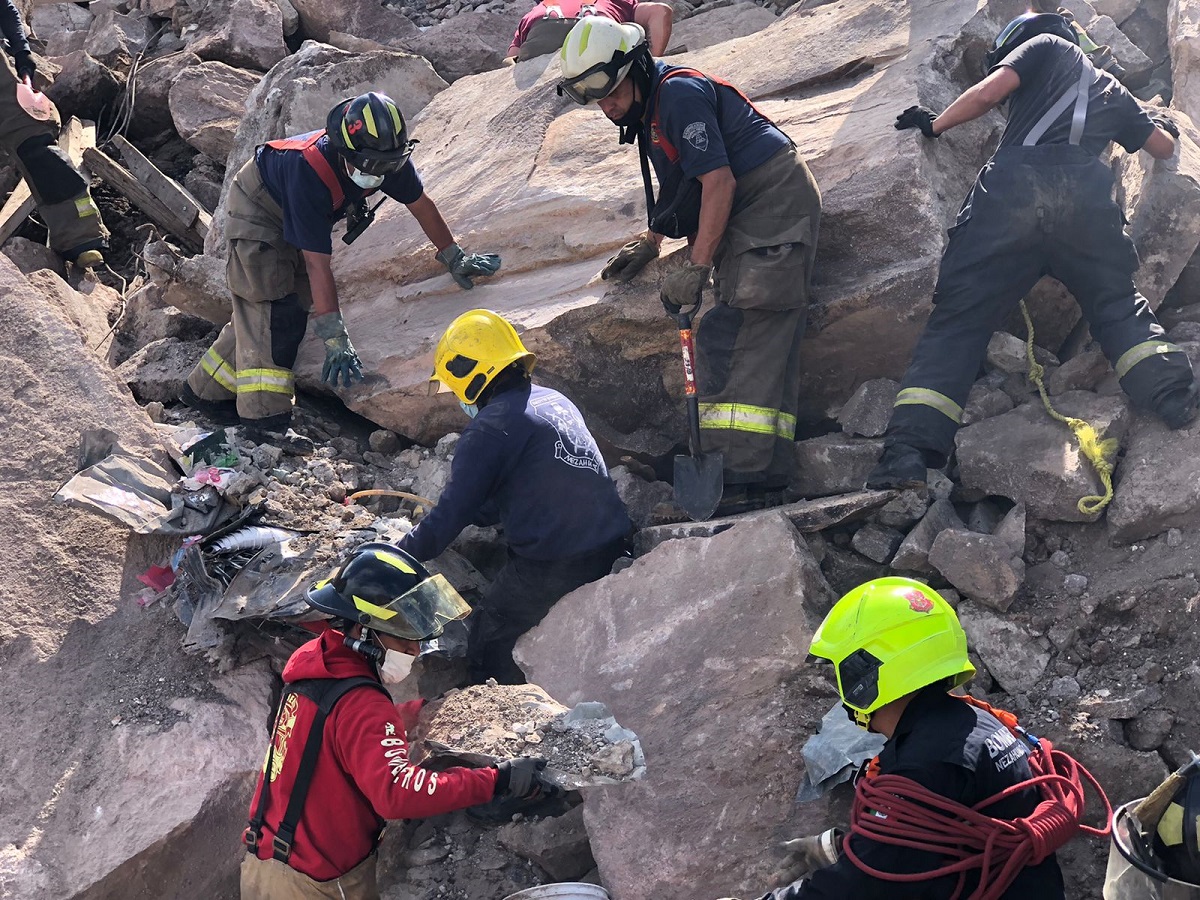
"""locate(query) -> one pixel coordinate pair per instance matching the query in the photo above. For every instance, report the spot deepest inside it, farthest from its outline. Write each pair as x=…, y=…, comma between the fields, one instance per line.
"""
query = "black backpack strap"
x=641, y=142
x=325, y=693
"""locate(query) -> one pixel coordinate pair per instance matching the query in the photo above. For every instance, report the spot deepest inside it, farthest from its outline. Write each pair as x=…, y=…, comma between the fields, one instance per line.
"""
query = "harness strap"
x=325, y=693
x=1077, y=95
x=307, y=145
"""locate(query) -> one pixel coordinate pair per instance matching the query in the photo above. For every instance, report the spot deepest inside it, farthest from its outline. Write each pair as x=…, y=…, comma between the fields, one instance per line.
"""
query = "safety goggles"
x=420, y=613
x=381, y=165
x=595, y=83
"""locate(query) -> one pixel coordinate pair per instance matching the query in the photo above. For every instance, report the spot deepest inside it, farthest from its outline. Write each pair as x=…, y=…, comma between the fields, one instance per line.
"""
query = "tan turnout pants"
x=269, y=879
x=252, y=359
x=748, y=344
x=62, y=194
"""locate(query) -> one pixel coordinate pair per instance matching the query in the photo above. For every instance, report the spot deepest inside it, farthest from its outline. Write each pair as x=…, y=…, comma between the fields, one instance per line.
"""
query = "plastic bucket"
x=566, y=890
x=1132, y=873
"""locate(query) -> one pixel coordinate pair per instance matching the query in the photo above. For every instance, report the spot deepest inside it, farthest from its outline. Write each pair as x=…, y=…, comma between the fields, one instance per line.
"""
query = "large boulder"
x=152, y=90
x=361, y=18
x=63, y=26
x=98, y=695
x=208, y=103
x=245, y=34
x=699, y=648
x=84, y=86
x=1159, y=484
x=466, y=44
x=1031, y=458
x=713, y=24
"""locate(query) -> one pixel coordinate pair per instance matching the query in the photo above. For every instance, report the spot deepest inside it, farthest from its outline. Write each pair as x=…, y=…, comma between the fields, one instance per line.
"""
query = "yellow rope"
x=1100, y=452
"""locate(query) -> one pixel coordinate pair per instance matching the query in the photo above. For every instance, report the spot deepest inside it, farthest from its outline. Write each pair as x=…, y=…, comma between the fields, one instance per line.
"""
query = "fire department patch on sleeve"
x=696, y=134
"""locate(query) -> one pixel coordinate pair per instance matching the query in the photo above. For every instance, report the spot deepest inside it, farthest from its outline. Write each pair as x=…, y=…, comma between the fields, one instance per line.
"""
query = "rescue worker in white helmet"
x=1042, y=205
x=528, y=462
x=315, y=822
x=730, y=181
x=283, y=204
x=896, y=649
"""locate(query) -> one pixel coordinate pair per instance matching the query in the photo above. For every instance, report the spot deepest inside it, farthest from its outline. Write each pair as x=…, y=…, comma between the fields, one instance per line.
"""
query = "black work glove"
x=1166, y=123
x=25, y=66
x=683, y=286
x=630, y=260
x=917, y=117
x=520, y=778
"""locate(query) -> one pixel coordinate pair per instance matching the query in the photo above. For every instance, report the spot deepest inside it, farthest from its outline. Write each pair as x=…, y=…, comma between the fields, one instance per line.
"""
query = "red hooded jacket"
x=362, y=776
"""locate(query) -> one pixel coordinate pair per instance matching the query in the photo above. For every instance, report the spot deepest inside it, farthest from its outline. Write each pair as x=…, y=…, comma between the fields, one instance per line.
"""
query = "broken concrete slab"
x=833, y=464
x=693, y=643
x=867, y=412
x=1011, y=653
x=982, y=566
x=806, y=516
x=877, y=542
x=1029, y=457
x=913, y=554
x=1159, y=482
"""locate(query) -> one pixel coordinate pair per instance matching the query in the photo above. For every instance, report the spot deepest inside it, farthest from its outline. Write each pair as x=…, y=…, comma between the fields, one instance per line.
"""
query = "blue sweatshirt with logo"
x=528, y=462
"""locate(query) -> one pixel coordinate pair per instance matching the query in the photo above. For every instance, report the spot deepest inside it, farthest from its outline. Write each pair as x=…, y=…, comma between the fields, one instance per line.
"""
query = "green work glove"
x=340, y=356
x=463, y=265
x=630, y=260
x=683, y=286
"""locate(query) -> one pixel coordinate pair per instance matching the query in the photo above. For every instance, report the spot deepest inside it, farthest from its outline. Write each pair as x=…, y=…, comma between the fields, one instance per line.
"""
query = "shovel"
x=699, y=478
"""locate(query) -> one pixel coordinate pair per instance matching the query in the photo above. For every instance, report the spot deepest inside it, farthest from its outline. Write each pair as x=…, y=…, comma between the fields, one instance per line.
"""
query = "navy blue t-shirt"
x=1048, y=67
x=308, y=213
x=529, y=462
x=707, y=132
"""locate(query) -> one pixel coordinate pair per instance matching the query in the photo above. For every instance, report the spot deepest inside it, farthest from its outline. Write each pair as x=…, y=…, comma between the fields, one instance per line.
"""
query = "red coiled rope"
x=895, y=810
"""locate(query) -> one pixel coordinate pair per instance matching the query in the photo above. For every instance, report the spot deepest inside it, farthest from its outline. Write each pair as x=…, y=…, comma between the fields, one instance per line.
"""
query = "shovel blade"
x=699, y=481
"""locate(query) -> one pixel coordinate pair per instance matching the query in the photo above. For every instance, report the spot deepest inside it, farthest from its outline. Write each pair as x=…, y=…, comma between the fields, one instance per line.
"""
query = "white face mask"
x=396, y=667
x=469, y=408
x=365, y=181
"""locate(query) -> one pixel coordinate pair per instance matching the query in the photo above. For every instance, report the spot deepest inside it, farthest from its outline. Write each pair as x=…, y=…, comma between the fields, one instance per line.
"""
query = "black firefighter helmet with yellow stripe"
x=370, y=132
x=383, y=588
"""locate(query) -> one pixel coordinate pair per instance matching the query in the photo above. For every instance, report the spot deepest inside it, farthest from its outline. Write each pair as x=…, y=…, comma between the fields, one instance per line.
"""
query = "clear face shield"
x=419, y=614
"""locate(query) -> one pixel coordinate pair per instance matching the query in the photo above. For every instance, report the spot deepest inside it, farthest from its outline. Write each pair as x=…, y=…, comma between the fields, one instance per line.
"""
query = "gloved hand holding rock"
x=340, y=357
x=464, y=265
x=522, y=778
x=917, y=117
x=25, y=65
x=630, y=260
x=807, y=854
x=683, y=286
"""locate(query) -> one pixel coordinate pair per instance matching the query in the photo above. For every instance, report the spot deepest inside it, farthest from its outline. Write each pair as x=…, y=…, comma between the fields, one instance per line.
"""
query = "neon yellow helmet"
x=477, y=347
x=597, y=55
x=890, y=637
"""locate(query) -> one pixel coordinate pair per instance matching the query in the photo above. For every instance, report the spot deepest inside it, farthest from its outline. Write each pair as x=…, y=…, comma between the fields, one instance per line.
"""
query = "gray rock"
x=383, y=441
x=1150, y=729
x=1060, y=558
x=1075, y=585
x=1011, y=529
x=984, y=516
x=245, y=34
x=982, y=566
x=877, y=542
x=1184, y=332
x=833, y=464
x=1117, y=10
x=913, y=554
x=1127, y=707
x=904, y=511
x=444, y=448
x=691, y=644
x=1029, y=457
x=1006, y=353
x=1103, y=30
x=1079, y=373
x=159, y=370
x=867, y=412
x=1009, y=651
x=83, y=86
x=984, y=402
x=639, y=496
x=1063, y=688
x=558, y=844
x=208, y=103
x=846, y=569
x=1160, y=482
x=1114, y=764
x=1174, y=537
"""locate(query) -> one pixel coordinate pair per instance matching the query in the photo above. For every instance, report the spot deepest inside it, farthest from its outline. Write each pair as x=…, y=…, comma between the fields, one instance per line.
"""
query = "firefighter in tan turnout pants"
x=28, y=137
x=282, y=207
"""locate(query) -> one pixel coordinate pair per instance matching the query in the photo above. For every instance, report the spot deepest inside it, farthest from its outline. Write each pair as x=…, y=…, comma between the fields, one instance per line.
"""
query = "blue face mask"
x=365, y=181
x=469, y=408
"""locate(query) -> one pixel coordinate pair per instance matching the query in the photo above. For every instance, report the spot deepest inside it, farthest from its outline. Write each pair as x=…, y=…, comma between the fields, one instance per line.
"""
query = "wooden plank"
x=76, y=136
x=137, y=193
x=173, y=195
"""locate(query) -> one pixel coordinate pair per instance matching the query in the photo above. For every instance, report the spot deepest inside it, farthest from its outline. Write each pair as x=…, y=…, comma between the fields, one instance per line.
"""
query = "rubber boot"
x=900, y=466
x=222, y=412
x=1180, y=406
x=276, y=431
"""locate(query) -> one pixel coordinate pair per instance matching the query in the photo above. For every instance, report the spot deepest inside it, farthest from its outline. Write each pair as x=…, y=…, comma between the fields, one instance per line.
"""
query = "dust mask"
x=469, y=408
x=365, y=181
x=395, y=668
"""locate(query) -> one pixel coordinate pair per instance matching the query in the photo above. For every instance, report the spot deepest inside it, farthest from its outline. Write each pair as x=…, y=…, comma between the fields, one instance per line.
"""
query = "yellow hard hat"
x=477, y=347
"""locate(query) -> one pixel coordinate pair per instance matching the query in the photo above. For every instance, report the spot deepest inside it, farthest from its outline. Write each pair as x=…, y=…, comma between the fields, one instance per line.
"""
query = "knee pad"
x=289, y=321
x=50, y=170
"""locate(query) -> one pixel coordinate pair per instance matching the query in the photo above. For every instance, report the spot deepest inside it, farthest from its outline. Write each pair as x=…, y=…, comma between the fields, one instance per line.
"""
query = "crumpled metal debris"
x=834, y=754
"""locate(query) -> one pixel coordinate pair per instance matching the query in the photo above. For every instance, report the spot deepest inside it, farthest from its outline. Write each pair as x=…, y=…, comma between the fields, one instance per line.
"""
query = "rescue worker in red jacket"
x=282, y=206
x=317, y=814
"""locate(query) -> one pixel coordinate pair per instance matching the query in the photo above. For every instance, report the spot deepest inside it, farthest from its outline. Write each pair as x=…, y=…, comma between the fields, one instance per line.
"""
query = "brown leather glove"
x=683, y=286
x=630, y=260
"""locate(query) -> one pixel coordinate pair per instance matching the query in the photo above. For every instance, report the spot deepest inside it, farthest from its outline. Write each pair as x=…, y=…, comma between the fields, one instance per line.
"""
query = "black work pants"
x=519, y=598
x=1034, y=211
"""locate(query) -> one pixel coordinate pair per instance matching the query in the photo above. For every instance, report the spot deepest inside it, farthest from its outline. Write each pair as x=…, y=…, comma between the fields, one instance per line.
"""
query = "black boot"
x=276, y=431
x=222, y=412
x=1179, y=407
x=900, y=466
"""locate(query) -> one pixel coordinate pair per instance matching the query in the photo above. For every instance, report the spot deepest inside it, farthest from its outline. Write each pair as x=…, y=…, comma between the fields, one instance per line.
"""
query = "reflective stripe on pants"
x=744, y=417
x=275, y=381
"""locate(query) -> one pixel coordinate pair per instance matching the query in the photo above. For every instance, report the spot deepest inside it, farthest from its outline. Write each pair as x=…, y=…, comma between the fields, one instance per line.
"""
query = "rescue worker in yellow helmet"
x=526, y=461
x=282, y=206
x=897, y=649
